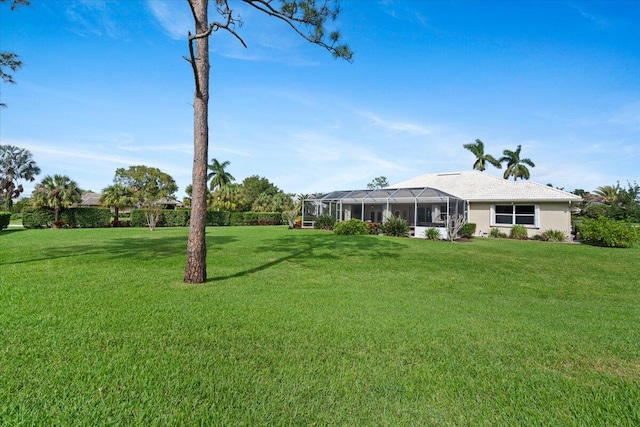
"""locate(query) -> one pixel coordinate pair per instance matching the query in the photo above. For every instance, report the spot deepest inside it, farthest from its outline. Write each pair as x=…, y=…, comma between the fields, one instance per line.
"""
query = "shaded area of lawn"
x=304, y=327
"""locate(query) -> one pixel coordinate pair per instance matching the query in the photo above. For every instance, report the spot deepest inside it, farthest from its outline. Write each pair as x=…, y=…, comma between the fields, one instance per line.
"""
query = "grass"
x=308, y=328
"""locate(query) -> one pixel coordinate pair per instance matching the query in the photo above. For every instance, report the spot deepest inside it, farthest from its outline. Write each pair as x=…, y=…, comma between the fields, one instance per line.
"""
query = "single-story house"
x=426, y=201
x=92, y=200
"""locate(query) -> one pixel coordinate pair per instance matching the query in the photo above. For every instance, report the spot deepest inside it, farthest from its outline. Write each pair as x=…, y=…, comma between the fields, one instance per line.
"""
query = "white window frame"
x=536, y=215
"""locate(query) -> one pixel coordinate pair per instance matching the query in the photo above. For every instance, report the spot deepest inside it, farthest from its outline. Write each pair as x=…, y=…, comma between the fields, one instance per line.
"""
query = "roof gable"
x=480, y=186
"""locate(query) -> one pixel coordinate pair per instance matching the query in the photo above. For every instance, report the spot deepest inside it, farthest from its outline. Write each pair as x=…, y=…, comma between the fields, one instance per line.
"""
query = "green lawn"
x=300, y=327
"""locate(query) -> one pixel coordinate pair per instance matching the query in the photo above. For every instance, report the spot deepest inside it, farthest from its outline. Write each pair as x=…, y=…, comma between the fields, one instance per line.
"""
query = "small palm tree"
x=515, y=165
x=481, y=159
x=116, y=196
x=609, y=193
x=219, y=176
x=16, y=164
x=56, y=192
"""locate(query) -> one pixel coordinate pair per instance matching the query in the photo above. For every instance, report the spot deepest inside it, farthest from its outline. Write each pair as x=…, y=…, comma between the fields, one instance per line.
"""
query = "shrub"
x=351, y=227
x=607, y=232
x=374, y=227
x=176, y=217
x=395, y=226
x=495, y=232
x=37, y=218
x=89, y=217
x=468, y=230
x=5, y=219
x=596, y=210
x=553, y=236
x=432, y=233
x=325, y=222
x=138, y=218
x=218, y=218
x=518, y=231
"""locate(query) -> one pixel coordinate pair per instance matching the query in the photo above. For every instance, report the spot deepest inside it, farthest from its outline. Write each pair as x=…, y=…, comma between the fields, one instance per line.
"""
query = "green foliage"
x=395, y=226
x=516, y=165
x=378, y=182
x=148, y=185
x=325, y=330
x=351, y=227
x=37, y=218
x=56, y=192
x=374, y=227
x=91, y=217
x=325, y=222
x=596, y=210
x=432, y=233
x=255, y=218
x=176, y=217
x=138, y=219
x=553, y=236
x=608, y=232
x=496, y=233
x=218, y=218
x=519, y=232
x=16, y=165
x=5, y=219
x=468, y=230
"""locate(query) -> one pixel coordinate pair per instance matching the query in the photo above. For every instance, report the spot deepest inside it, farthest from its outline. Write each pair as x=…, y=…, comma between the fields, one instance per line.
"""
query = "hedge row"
x=73, y=217
x=180, y=218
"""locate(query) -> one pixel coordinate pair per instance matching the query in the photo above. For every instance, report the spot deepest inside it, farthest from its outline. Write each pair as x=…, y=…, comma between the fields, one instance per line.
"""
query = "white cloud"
x=174, y=17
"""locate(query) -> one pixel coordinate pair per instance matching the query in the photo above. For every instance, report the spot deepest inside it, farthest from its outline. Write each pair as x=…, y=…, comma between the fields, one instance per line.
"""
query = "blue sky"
x=104, y=85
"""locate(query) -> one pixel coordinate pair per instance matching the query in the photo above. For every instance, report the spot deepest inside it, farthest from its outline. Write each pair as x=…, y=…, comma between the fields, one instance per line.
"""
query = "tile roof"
x=479, y=186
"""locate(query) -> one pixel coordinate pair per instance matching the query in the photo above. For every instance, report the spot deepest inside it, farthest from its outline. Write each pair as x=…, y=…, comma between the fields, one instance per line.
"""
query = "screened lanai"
x=421, y=207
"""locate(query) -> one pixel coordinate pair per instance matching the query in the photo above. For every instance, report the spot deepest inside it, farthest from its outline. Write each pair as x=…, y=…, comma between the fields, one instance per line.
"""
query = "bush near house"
x=5, y=219
x=395, y=226
x=374, y=227
x=496, y=233
x=351, y=227
x=325, y=222
x=468, y=230
x=553, y=236
x=608, y=233
x=432, y=233
x=519, y=232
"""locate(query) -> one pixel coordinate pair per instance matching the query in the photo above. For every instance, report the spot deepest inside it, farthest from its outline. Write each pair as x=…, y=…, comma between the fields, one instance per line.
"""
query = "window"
x=515, y=214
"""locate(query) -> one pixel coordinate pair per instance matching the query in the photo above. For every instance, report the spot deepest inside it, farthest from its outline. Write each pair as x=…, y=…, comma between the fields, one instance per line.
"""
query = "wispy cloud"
x=174, y=17
x=598, y=21
x=395, y=126
x=94, y=17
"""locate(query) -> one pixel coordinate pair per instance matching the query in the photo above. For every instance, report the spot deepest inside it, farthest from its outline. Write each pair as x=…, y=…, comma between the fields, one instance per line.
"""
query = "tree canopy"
x=378, y=182
x=57, y=192
x=477, y=149
x=16, y=164
x=10, y=61
x=516, y=166
x=148, y=185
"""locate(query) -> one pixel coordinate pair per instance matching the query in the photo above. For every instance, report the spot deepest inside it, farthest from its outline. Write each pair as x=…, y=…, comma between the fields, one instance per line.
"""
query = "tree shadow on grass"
x=142, y=249
x=312, y=247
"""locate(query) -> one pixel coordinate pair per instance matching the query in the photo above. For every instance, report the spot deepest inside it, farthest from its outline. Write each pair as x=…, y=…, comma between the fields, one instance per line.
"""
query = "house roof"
x=90, y=199
x=476, y=186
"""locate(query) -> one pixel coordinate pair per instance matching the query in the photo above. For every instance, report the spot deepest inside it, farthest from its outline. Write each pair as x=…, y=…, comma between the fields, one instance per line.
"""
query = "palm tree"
x=481, y=159
x=56, y=192
x=16, y=164
x=219, y=176
x=116, y=196
x=515, y=165
x=609, y=193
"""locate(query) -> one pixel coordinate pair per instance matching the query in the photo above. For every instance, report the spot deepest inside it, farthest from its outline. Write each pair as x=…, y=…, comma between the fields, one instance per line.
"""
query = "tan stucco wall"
x=553, y=216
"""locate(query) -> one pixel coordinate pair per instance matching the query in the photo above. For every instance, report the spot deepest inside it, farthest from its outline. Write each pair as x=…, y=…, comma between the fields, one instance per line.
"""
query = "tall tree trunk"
x=196, y=268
